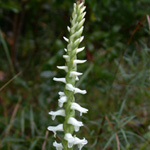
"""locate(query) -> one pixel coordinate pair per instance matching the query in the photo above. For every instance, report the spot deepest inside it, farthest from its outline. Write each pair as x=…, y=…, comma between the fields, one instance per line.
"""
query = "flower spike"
x=66, y=99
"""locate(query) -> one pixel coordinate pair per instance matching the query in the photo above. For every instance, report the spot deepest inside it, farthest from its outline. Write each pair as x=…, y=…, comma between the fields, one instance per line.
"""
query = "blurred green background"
x=116, y=75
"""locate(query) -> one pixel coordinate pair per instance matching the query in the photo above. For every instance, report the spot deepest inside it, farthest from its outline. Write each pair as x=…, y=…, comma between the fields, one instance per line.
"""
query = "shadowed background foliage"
x=116, y=75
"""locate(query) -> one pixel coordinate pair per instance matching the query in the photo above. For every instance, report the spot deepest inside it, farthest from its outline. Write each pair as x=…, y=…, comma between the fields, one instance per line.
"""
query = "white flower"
x=70, y=87
x=76, y=34
x=58, y=146
x=67, y=40
x=56, y=128
x=67, y=57
x=80, y=142
x=77, y=107
x=74, y=73
x=81, y=4
x=74, y=26
x=68, y=137
x=80, y=91
x=80, y=31
x=80, y=49
x=75, y=90
x=81, y=39
x=76, y=61
x=75, y=5
x=74, y=19
x=60, y=112
x=82, y=9
x=61, y=93
x=68, y=28
x=75, y=141
x=77, y=78
x=62, y=100
x=81, y=23
x=65, y=49
x=77, y=41
x=60, y=79
x=63, y=68
x=77, y=124
x=83, y=15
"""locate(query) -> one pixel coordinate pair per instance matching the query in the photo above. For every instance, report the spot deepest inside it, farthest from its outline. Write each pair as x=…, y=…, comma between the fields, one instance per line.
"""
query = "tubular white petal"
x=62, y=100
x=68, y=137
x=83, y=15
x=81, y=39
x=80, y=142
x=78, y=33
x=80, y=49
x=74, y=26
x=82, y=9
x=61, y=93
x=75, y=5
x=67, y=40
x=81, y=29
x=63, y=68
x=54, y=129
x=68, y=28
x=58, y=146
x=81, y=4
x=81, y=22
x=75, y=90
x=74, y=11
x=77, y=78
x=60, y=79
x=77, y=124
x=74, y=19
x=77, y=41
x=74, y=73
x=72, y=37
x=65, y=49
x=67, y=57
x=77, y=107
x=60, y=112
x=77, y=61
x=70, y=87
x=69, y=47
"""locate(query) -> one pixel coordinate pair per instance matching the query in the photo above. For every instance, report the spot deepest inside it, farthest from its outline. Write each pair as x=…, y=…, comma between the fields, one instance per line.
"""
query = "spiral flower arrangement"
x=67, y=100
